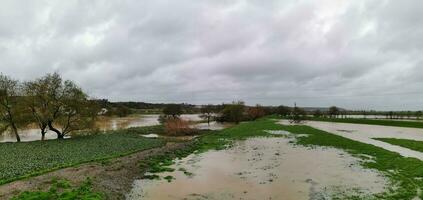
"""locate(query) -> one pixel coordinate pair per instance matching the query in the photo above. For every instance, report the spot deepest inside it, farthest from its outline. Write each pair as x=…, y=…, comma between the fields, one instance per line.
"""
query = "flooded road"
x=365, y=133
x=103, y=124
x=262, y=168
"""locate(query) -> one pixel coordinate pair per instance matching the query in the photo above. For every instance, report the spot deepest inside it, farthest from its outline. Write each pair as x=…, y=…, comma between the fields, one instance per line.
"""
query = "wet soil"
x=263, y=168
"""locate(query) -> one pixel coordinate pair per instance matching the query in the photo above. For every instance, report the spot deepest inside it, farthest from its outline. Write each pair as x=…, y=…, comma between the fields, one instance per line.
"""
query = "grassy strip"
x=62, y=190
x=22, y=160
x=410, y=144
x=381, y=122
x=404, y=173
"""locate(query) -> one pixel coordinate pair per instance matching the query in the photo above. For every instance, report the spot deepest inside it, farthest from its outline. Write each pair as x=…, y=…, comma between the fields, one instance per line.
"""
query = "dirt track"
x=114, y=177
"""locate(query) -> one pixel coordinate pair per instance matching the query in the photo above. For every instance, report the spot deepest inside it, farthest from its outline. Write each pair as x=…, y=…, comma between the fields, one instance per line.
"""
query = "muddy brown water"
x=105, y=124
x=365, y=133
x=263, y=168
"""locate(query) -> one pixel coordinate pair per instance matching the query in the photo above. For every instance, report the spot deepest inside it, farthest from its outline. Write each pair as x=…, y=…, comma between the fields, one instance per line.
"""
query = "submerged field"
x=259, y=159
x=402, y=174
x=381, y=122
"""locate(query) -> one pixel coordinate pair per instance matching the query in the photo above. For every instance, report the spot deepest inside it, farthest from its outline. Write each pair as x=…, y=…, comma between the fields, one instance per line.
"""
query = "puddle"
x=151, y=136
x=212, y=126
x=365, y=133
x=262, y=168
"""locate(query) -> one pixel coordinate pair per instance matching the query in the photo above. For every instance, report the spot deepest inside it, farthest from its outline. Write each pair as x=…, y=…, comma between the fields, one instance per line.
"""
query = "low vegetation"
x=62, y=190
x=409, y=144
x=19, y=160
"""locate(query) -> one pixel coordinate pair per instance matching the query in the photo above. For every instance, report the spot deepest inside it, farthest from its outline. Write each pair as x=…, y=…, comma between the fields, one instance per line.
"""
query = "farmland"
x=19, y=160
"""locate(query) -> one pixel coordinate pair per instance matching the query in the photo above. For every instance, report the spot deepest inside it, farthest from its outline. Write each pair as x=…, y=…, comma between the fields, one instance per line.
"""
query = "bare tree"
x=12, y=113
x=37, y=98
x=207, y=112
x=59, y=105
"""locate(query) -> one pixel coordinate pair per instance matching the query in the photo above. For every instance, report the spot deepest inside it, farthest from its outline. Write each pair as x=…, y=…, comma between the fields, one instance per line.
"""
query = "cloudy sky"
x=361, y=54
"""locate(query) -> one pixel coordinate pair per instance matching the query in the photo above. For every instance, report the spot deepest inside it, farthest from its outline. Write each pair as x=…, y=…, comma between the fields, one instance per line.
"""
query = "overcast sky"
x=361, y=54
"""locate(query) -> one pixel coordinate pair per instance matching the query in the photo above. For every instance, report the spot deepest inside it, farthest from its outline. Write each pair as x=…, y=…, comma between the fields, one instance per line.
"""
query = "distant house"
x=103, y=111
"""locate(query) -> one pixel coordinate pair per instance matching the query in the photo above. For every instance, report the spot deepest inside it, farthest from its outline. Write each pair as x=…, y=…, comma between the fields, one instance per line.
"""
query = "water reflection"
x=109, y=123
x=262, y=168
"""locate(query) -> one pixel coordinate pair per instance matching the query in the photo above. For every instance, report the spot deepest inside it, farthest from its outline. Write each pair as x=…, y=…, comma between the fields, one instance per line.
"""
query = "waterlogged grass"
x=20, y=160
x=62, y=190
x=410, y=144
x=381, y=122
x=404, y=173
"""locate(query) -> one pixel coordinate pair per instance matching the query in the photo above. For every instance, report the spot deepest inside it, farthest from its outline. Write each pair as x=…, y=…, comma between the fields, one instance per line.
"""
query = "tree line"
x=49, y=102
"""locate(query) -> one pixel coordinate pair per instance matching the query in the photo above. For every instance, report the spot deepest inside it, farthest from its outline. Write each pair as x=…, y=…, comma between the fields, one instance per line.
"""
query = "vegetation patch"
x=410, y=144
x=62, y=190
x=20, y=160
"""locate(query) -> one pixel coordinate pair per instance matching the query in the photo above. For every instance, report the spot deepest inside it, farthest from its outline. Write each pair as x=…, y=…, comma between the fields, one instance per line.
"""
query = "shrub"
x=176, y=127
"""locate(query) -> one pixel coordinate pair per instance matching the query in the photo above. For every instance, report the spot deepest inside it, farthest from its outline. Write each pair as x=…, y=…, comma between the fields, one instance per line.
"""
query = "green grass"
x=404, y=173
x=410, y=144
x=381, y=122
x=62, y=190
x=21, y=160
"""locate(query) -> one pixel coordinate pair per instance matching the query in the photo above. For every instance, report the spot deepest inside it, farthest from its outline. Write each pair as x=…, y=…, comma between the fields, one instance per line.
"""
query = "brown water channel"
x=263, y=168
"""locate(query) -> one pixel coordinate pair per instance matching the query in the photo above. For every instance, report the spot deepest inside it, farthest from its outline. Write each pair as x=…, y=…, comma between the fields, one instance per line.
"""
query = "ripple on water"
x=263, y=168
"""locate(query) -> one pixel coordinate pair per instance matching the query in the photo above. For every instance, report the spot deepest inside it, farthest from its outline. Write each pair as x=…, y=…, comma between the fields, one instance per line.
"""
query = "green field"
x=19, y=160
x=410, y=144
x=381, y=122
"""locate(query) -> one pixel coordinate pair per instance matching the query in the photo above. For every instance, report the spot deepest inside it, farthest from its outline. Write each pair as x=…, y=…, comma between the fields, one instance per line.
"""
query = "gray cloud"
x=355, y=54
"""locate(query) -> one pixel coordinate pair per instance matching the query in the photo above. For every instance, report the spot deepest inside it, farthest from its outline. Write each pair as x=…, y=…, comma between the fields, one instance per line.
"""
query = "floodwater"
x=263, y=168
x=365, y=134
x=103, y=124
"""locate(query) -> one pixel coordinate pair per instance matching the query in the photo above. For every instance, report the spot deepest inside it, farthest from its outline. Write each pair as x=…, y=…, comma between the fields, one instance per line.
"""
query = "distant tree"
x=317, y=113
x=233, y=112
x=256, y=112
x=390, y=115
x=297, y=114
x=283, y=111
x=122, y=111
x=173, y=110
x=170, y=112
x=207, y=112
x=12, y=111
x=333, y=112
x=419, y=114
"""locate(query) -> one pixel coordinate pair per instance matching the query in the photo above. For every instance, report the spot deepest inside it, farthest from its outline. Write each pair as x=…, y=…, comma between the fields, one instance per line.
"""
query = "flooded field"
x=105, y=124
x=263, y=168
x=366, y=133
